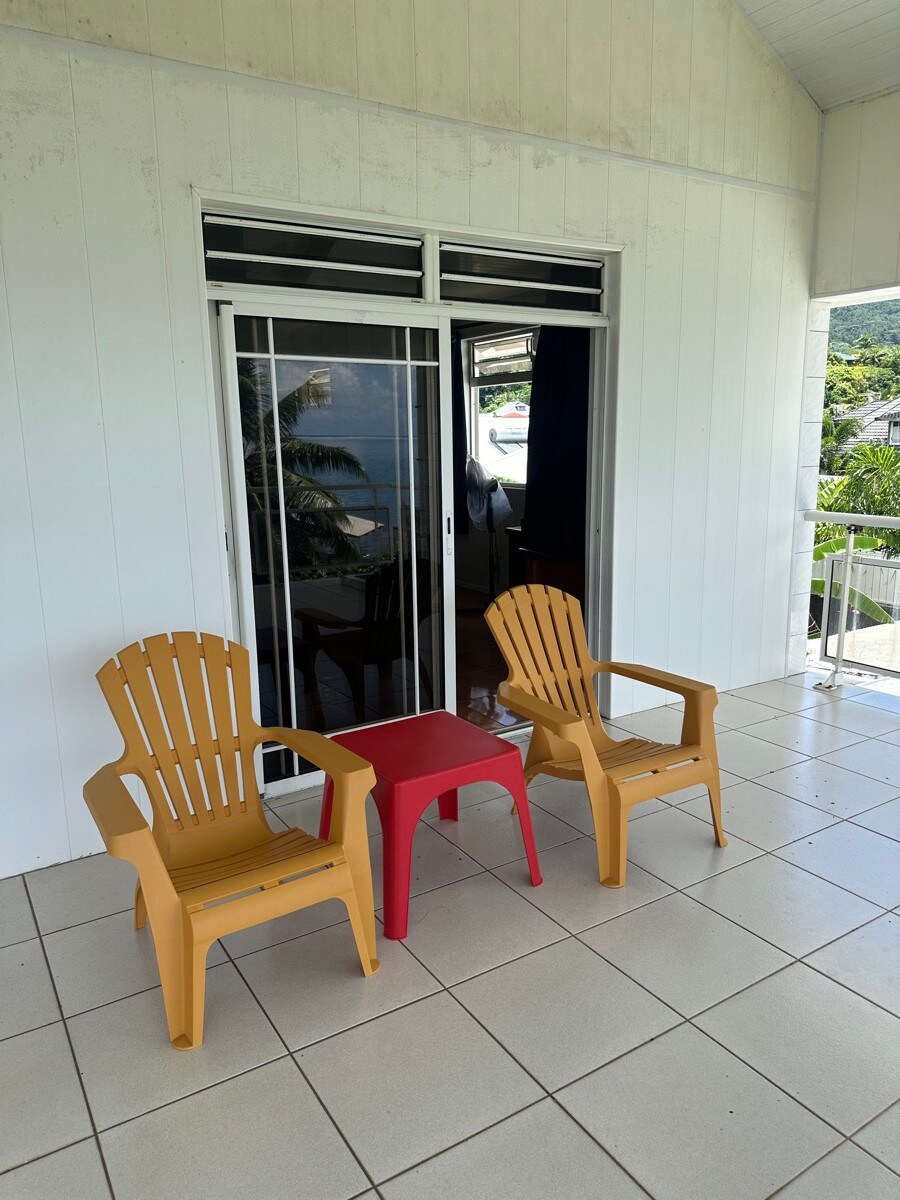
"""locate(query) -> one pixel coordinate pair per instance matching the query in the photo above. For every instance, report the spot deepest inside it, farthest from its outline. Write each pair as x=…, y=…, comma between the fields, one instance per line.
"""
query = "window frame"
x=474, y=382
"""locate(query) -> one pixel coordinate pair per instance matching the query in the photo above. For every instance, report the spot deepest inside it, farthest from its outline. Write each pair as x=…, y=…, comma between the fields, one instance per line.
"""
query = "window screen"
x=489, y=275
x=279, y=254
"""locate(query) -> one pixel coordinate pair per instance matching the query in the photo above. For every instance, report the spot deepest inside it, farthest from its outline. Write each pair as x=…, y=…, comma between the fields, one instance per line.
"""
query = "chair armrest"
x=335, y=760
x=557, y=721
x=661, y=679
x=122, y=826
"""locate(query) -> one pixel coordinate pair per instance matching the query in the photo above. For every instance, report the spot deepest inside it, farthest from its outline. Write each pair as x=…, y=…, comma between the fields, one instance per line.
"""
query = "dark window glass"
x=423, y=344
x=501, y=293
x=225, y=270
x=321, y=247
x=277, y=764
x=251, y=335
x=258, y=428
x=533, y=270
x=339, y=339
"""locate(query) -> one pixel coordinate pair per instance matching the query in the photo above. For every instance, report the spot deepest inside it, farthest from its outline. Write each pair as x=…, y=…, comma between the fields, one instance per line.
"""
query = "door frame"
x=425, y=313
x=307, y=307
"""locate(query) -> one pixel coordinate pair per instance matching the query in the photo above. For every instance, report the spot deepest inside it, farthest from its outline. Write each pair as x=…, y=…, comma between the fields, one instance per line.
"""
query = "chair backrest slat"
x=183, y=707
x=562, y=613
x=160, y=654
x=239, y=657
x=540, y=633
x=190, y=664
x=522, y=664
x=214, y=654
x=544, y=616
x=138, y=679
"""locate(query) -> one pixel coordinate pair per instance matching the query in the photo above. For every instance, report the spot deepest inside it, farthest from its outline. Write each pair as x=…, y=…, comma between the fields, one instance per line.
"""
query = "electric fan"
x=488, y=508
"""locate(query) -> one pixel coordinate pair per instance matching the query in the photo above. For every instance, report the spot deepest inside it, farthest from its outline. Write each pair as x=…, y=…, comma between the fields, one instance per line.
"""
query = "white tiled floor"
x=724, y=1027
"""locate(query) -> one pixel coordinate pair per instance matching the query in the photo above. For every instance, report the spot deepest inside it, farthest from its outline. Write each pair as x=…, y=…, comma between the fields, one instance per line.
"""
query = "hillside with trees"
x=881, y=322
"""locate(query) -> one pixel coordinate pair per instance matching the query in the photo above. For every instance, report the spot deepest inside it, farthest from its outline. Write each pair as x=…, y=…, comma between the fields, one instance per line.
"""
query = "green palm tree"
x=867, y=351
x=838, y=427
x=873, y=488
x=316, y=523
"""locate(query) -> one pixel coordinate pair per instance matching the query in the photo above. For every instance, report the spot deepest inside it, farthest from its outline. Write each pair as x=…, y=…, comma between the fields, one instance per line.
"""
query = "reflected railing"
x=860, y=624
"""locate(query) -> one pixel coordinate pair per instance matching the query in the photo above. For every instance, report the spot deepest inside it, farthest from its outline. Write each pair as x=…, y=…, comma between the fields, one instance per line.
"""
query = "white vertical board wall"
x=682, y=81
x=858, y=237
x=113, y=504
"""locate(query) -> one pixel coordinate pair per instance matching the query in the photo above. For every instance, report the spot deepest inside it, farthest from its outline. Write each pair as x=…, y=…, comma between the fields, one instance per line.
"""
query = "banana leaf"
x=839, y=545
x=858, y=601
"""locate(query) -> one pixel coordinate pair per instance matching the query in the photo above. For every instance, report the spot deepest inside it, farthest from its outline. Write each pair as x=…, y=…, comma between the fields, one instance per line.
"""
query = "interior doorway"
x=522, y=454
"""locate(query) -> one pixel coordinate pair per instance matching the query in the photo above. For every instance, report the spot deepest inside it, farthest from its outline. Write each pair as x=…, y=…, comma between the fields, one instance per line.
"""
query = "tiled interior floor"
x=479, y=667
x=724, y=1027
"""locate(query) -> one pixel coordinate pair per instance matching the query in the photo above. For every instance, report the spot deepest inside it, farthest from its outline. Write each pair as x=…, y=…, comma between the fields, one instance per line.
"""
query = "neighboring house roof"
x=876, y=415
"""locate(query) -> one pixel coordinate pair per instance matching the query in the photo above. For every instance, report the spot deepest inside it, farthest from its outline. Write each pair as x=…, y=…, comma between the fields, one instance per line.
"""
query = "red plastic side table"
x=417, y=760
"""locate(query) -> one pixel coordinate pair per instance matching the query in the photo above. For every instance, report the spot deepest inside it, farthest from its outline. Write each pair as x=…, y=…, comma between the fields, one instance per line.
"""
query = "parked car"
x=509, y=423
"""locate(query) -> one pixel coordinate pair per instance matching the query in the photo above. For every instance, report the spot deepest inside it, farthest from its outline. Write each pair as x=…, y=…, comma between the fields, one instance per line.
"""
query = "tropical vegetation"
x=858, y=477
x=316, y=524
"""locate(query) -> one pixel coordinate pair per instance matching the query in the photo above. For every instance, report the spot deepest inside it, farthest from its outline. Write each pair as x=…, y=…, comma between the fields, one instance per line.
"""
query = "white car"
x=509, y=423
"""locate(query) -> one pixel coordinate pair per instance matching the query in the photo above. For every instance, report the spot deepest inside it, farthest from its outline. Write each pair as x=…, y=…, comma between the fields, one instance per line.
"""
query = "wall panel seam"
x=169, y=310
x=218, y=75
x=37, y=568
x=769, y=509
x=90, y=289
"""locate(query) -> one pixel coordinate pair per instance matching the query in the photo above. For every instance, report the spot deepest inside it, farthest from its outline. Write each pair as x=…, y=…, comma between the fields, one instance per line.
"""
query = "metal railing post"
x=836, y=676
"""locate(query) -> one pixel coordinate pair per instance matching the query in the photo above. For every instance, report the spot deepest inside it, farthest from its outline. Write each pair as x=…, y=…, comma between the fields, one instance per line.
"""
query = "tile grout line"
x=303, y=1075
x=582, y=837
x=441, y=988
x=548, y=1095
x=782, y=1187
x=68, y=1035
x=91, y=1137
x=568, y=935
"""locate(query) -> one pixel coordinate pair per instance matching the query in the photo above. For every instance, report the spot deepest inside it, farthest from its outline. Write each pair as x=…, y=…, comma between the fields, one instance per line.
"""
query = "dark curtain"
x=460, y=435
x=556, y=484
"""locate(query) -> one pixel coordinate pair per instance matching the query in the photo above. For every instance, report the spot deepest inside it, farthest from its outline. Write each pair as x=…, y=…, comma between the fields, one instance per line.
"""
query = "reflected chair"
x=379, y=637
x=540, y=632
x=211, y=865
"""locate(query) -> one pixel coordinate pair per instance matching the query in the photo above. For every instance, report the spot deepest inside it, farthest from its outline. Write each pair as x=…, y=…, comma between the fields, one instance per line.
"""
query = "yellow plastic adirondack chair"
x=183, y=708
x=540, y=632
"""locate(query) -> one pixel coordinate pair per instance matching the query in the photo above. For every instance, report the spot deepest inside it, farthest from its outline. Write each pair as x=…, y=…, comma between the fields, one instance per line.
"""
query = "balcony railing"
x=860, y=603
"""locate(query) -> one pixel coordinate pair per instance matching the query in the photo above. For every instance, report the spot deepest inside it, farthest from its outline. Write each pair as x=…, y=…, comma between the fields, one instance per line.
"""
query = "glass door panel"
x=340, y=428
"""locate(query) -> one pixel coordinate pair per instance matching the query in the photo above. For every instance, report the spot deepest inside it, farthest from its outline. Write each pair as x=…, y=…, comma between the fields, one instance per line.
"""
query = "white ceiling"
x=840, y=50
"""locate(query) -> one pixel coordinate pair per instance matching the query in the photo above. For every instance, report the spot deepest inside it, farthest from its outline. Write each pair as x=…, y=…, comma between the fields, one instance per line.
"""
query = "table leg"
x=398, y=831
x=519, y=793
x=448, y=805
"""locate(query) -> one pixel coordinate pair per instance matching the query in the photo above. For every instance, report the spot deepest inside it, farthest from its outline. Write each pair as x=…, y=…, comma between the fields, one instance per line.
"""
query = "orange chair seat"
x=283, y=855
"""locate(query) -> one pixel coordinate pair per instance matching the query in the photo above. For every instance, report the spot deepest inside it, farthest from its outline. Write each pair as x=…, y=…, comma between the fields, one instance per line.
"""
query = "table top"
x=425, y=745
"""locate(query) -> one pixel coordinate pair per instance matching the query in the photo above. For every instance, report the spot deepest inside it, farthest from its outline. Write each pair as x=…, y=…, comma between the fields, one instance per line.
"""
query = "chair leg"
x=611, y=831
x=538, y=752
x=194, y=994
x=140, y=908
x=715, y=805
x=360, y=901
x=362, y=935
x=448, y=805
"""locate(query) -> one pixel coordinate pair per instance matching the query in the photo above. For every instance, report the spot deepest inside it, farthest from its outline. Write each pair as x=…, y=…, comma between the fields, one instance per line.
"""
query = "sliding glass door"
x=335, y=442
